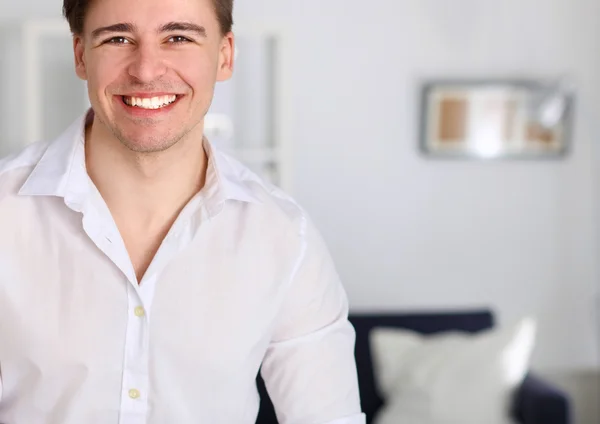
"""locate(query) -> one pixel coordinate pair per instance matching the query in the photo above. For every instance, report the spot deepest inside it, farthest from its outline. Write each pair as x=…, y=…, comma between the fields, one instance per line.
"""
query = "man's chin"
x=147, y=144
x=147, y=147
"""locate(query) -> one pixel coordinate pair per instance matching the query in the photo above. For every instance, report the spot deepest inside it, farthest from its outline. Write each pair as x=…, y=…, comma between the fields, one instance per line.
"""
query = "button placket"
x=134, y=398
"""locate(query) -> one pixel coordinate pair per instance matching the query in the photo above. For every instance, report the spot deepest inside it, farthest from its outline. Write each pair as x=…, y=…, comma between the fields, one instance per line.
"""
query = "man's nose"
x=148, y=64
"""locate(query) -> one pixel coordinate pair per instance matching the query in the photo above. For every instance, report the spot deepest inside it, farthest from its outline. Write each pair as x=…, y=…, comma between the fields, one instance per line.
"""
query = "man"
x=146, y=277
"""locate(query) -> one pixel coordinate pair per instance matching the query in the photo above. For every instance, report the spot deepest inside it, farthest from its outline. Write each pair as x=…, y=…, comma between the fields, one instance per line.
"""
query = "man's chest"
x=72, y=303
x=72, y=317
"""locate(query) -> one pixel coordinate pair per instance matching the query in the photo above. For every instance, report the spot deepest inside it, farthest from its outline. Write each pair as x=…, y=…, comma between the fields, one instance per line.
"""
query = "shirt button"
x=139, y=311
x=134, y=393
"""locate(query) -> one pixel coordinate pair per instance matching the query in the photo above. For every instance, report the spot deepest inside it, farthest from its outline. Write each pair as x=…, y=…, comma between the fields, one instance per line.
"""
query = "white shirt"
x=242, y=279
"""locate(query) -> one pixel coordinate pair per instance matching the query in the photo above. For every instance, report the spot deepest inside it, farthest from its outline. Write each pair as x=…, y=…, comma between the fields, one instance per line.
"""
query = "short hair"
x=75, y=11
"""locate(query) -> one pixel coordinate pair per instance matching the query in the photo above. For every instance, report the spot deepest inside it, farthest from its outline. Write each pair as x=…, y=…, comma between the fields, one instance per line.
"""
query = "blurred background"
x=326, y=104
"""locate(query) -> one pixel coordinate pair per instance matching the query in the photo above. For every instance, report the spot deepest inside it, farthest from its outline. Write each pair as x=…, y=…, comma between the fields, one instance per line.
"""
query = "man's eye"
x=178, y=39
x=117, y=40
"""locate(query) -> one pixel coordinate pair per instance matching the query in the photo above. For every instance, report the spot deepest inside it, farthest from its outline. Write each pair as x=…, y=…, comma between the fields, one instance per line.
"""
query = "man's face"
x=151, y=68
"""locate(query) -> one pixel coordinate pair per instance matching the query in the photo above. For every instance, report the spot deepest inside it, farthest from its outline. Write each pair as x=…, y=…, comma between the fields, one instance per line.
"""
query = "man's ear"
x=79, y=51
x=226, y=57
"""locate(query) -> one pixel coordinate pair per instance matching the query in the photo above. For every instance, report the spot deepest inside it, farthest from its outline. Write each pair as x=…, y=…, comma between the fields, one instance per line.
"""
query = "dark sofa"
x=536, y=401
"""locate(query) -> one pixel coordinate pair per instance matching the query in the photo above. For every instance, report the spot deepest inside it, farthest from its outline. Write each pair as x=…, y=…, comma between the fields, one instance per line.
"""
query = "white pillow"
x=451, y=377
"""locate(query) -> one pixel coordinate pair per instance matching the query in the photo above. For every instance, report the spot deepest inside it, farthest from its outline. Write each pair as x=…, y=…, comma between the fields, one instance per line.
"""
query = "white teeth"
x=150, y=103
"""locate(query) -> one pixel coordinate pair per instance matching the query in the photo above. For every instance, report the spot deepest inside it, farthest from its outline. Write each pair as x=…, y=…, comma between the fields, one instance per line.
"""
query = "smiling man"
x=145, y=276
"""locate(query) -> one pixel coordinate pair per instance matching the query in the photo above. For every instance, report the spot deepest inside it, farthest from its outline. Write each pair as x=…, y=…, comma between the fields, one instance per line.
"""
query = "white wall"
x=410, y=233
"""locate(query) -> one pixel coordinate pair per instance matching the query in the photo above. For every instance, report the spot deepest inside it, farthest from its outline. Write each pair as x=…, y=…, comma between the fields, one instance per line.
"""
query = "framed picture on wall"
x=495, y=119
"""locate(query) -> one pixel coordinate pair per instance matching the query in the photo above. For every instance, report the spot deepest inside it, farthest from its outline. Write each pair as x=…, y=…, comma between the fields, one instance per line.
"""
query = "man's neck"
x=143, y=189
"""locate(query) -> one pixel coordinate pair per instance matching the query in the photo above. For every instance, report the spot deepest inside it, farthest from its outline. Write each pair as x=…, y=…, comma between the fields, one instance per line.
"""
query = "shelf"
x=256, y=155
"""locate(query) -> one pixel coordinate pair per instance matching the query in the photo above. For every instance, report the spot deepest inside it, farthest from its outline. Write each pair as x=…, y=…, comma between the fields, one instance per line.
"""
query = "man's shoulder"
x=270, y=197
x=15, y=168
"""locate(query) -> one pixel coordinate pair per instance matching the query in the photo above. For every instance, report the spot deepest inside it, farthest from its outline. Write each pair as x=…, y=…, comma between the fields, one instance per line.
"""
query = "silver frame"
x=529, y=84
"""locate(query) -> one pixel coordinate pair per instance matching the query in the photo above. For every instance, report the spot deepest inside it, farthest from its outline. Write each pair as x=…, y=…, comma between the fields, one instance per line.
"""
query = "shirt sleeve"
x=309, y=368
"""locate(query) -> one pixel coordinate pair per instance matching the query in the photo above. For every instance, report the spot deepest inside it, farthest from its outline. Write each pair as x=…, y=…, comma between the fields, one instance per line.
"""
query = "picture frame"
x=496, y=119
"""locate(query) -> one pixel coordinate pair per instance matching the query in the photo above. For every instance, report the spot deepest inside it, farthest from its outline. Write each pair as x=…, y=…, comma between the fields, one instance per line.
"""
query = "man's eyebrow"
x=185, y=27
x=121, y=27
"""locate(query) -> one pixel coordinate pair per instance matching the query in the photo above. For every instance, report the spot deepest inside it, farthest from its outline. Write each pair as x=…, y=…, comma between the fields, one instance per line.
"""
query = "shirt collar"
x=61, y=171
x=227, y=176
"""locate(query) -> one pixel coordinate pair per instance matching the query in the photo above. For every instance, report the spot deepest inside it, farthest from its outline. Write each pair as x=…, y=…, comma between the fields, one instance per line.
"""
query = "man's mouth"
x=150, y=102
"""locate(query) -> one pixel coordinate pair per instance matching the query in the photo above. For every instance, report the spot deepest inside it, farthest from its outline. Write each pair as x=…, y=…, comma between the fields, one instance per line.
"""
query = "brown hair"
x=75, y=10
